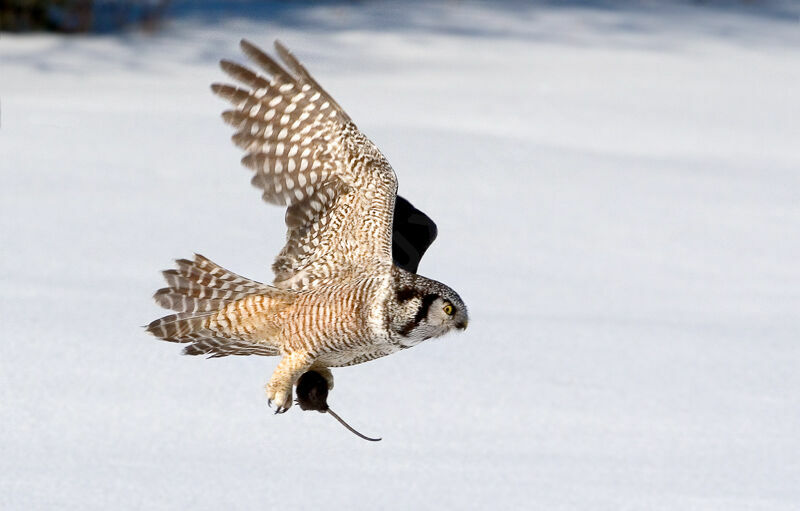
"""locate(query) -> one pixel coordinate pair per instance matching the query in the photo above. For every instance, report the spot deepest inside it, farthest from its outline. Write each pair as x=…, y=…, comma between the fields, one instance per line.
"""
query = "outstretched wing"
x=308, y=155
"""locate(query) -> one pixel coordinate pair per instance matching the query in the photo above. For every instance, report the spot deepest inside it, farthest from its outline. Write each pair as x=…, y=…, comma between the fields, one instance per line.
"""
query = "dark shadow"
x=443, y=16
x=650, y=25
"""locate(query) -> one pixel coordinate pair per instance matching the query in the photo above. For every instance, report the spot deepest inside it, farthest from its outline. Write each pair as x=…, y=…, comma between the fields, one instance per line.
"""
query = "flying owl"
x=337, y=299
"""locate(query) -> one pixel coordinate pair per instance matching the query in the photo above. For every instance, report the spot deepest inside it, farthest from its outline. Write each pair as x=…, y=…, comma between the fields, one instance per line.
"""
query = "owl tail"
x=199, y=290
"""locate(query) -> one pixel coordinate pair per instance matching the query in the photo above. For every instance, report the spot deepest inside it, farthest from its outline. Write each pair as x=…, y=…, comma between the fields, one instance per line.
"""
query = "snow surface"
x=617, y=187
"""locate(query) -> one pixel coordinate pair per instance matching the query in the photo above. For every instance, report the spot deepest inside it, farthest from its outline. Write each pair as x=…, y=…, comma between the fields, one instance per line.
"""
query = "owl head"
x=425, y=309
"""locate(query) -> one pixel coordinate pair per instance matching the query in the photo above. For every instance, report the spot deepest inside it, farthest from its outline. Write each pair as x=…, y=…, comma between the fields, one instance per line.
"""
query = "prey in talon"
x=345, y=288
x=312, y=394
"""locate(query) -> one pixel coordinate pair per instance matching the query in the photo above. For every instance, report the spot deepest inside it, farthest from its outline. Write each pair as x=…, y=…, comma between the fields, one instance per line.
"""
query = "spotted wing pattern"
x=308, y=155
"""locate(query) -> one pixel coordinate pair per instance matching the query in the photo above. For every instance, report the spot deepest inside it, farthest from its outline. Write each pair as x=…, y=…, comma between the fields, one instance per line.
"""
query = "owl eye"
x=449, y=309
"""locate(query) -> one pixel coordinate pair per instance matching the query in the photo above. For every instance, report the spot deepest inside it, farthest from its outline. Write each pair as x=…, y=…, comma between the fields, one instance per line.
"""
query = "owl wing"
x=412, y=233
x=308, y=155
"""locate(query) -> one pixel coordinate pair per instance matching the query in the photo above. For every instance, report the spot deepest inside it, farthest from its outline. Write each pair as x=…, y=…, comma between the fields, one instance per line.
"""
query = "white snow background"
x=617, y=189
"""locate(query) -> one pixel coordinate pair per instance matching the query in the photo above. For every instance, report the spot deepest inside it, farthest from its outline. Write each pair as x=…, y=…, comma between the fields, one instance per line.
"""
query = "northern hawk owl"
x=337, y=298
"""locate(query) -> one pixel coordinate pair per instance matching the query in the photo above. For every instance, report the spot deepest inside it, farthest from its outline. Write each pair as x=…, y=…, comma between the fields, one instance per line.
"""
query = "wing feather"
x=308, y=155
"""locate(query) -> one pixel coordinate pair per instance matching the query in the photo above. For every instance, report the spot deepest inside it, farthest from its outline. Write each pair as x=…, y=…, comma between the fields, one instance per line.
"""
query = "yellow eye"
x=449, y=309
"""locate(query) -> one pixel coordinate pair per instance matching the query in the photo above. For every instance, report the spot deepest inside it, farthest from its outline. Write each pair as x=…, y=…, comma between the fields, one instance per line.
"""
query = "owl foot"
x=281, y=398
x=279, y=388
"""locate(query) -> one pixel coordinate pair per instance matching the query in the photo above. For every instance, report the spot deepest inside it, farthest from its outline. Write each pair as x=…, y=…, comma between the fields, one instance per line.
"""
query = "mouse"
x=312, y=394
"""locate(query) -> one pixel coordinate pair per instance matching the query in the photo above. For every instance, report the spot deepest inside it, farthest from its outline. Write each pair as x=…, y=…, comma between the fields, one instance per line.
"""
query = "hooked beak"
x=462, y=325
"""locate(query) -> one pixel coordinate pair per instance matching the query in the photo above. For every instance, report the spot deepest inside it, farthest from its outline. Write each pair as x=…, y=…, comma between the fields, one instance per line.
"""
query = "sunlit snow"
x=617, y=190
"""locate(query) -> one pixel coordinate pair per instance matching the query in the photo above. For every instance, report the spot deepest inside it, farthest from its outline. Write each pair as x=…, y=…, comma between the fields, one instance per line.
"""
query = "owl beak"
x=462, y=325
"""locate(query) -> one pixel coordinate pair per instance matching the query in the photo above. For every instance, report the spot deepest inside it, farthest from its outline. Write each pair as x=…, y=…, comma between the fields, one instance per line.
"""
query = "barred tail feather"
x=216, y=347
x=203, y=286
x=197, y=291
x=178, y=327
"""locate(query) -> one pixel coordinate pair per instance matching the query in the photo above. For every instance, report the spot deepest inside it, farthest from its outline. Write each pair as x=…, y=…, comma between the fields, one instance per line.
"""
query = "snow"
x=618, y=198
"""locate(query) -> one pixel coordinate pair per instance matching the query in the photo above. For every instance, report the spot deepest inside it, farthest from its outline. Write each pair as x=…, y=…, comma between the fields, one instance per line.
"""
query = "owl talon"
x=280, y=399
x=278, y=409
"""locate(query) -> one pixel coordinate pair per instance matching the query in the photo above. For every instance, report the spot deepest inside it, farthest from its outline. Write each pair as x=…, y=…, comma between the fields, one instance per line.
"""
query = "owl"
x=338, y=298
